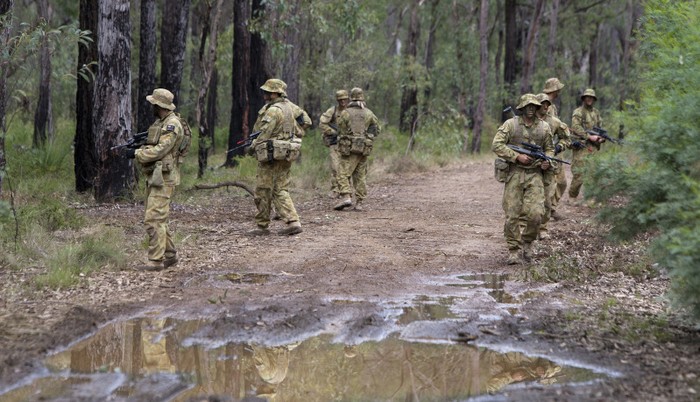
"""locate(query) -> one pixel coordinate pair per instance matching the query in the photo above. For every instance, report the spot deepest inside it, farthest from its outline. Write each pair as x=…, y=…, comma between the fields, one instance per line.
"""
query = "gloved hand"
x=129, y=153
x=557, y=149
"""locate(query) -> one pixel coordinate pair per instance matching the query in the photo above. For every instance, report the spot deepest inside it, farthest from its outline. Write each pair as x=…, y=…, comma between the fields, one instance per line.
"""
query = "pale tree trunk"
x=483, y=75
x=112, y=115
x=593, y=58
x=173, y=40
x=290, y=66
x=85, y=153
x=147, y=64
x=632, y=13
x=207, y=63
x=531, y=47
x=408, y=114
x=457, y=19
x=552, y=45
x=43, y=121
x=241, y=110
x=499, y=46
x=5, y=26
x=430, y=48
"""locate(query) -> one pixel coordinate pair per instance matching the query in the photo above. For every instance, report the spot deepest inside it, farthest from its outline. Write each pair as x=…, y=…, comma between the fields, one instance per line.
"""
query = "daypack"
x=187, y=139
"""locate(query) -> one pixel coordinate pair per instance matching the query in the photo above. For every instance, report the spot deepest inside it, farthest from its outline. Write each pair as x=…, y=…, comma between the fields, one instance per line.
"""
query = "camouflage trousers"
x=552, y=180
x=353, y=166
x=560, y=188
x=523, y=201
x=335, y=167
x=577, y=163
x=160, y=242
x=272, y=185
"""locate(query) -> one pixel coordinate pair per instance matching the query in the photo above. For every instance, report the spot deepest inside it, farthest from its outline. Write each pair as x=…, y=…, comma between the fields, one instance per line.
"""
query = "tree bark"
x=408, y=113
x=483, y=76
x=112, y=114
x=85, y=153
x=593, y=59
x=290, y=64
x=553, y=22
x=530, y=48
x=259, y=65
x=430, y=48
x=43, y=121
x=510, y=62
x=241, y=110
x=147, y=64
x=173, y=39
x=5, y=26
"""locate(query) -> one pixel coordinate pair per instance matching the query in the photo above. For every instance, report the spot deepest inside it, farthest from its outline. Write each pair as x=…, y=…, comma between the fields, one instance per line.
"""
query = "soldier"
x=160, y=162
x=329, y=126
x=358, y=127
x=555, y=175
x=552, y=87
x=584, y=118
x=523, y=195
x=282, y=125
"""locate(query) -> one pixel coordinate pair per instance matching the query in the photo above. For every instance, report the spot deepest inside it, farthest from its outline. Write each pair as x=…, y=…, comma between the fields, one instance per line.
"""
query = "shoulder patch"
x=170, y=127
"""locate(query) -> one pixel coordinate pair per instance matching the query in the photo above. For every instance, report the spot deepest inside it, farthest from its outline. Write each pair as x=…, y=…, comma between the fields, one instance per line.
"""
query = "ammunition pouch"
x=329, y=140
x=501, y=170
x=153, y=135
x=354, y=145
x=278, y=150
x=156, y=179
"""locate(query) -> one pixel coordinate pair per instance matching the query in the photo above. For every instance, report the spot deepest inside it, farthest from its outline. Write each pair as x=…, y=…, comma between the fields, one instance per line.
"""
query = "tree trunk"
x=85, y=153
x=593, y=59
x=43, y=122
x=633, y=11
x=241, y=109
x=290, y=65
x=510, y=62
x=430, y=49
x=259, y=67
x=483, y=76
x=530, y=48
x=147, y=64
x=173, y=40
x=207, y=63
x=409, y=99
x=553, y=22
x=5, y=26
x=112, y=114
x=499, y=46
x=211, y=110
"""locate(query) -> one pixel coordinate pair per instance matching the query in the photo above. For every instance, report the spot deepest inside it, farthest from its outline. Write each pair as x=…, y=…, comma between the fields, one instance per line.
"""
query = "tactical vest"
x=172, y=159
x=534, y=135
x=358, y=142
x=286, y=144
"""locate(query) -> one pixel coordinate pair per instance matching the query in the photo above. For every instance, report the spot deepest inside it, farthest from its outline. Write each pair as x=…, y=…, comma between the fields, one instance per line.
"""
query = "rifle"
x=333, y=139
x=534, y=151
x=510, y=109
x=600, y=132
x=246, y=142
x=136, y=141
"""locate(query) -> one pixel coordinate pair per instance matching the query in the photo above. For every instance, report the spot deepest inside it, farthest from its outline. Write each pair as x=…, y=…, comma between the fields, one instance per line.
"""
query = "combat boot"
x=291, y=229
x=344, y=203
x=358, y=206
x=544, y=235
x=150, y=265
x=170, y=261
x=527, y=252
x=259, y=231
x=513, y=257
x=556, y=216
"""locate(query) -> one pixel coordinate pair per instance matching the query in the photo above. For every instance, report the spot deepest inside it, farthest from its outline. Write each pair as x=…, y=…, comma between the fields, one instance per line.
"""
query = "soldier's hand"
x=524, y=159
x=596, y=139
x=545, y=165
x=129, y=153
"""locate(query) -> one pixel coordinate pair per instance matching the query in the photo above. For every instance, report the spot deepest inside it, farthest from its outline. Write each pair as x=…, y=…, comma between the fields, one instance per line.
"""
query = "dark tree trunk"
x=510, y=62
x=147, y=64
x=259, y=66
x=173, y=42
x=241, y=108
x=43, y=122
x=430, y=48
x=499, y=46
x=633, y=11
x=409, y=98
x=211, y=110
x=553, y=22
x=593, y=60
x=531, y=47
x=483, y=75
x=85, y=153
x=292, y=40
x=112, y=114
x=5, y=26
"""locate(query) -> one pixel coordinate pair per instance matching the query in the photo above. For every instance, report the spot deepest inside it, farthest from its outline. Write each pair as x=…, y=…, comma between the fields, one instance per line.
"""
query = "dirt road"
x=418, y=235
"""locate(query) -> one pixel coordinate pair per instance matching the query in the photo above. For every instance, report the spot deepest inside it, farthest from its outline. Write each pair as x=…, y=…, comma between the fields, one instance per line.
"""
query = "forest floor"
x=418, y=232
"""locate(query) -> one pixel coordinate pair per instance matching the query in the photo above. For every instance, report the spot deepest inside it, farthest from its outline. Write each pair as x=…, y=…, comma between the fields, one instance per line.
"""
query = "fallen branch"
x=242, y=185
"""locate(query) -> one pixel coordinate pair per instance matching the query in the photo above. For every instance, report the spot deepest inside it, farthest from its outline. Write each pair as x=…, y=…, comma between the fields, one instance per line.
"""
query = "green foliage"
x=655, y=183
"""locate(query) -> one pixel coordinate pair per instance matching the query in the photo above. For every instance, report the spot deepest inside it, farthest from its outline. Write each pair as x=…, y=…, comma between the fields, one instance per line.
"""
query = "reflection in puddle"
x=145, y=357
x=425, y=311
x=494, y=282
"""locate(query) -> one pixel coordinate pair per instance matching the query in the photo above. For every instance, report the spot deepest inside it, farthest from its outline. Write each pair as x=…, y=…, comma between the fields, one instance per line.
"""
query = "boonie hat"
x=341, y=94
x=552, y=85
x=589, y=92
x=528, y=99
x=356, y=94
x=162, y=97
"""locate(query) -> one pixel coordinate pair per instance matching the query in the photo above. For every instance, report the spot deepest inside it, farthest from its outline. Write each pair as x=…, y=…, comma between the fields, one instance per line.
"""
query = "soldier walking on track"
x=329, y=126
x=584, y=118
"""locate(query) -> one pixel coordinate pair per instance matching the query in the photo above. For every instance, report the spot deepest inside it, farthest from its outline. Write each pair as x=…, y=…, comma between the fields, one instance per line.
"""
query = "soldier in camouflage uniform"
x=523, y=195
x=584, y=118
x=160, y=161
x=358, y=127
x=329, y=126
x=280, y=120
x=552, y=87
x=553, y=176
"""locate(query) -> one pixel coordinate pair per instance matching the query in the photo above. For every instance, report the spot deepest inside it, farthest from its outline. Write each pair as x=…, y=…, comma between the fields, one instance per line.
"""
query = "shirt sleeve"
x=500, y=141
x=166, y=142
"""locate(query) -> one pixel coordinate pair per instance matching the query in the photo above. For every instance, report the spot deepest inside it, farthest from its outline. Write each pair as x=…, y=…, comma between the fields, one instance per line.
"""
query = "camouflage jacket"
x=585, y=118
x=515, y=132
x=164, y=138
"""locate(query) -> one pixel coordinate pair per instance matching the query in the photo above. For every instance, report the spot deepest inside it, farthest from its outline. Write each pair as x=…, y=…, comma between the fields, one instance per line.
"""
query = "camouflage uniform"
x=584, y=118
x=330, y=117
x=356, y=124
x=553, y=177
x=523, y=195
x=552, y=86
x=159, y=160
x=277, y=120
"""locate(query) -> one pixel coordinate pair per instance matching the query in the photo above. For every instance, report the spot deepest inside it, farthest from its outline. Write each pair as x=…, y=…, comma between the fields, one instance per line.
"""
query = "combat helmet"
x=552, y=85
x=356, y=94
x=589, y=92
x=162, y=97
x=275, y=85
x=341, y=94
x=528, y=99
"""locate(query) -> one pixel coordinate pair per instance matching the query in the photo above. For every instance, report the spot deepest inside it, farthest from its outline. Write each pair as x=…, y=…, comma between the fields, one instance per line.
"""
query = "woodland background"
x=438, y=73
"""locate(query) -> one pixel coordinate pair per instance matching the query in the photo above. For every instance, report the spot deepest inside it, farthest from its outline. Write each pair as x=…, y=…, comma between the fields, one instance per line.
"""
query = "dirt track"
x=417, y=231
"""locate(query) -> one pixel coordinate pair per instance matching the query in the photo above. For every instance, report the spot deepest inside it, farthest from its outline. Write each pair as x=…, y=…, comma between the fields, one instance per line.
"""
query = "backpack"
x=187, y=139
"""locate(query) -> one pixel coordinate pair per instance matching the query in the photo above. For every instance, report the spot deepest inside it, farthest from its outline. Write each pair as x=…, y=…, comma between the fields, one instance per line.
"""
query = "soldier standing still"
x=281, y=124
x=358, y=127
x=552, y=87
x=160, y=161
x=584, y=118
x=329, y=126
x=523, y=195
x=551, y=177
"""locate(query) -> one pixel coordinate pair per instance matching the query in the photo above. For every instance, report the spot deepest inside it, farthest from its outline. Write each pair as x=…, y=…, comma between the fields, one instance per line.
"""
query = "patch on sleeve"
x=267, y=119
x=170, y=127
